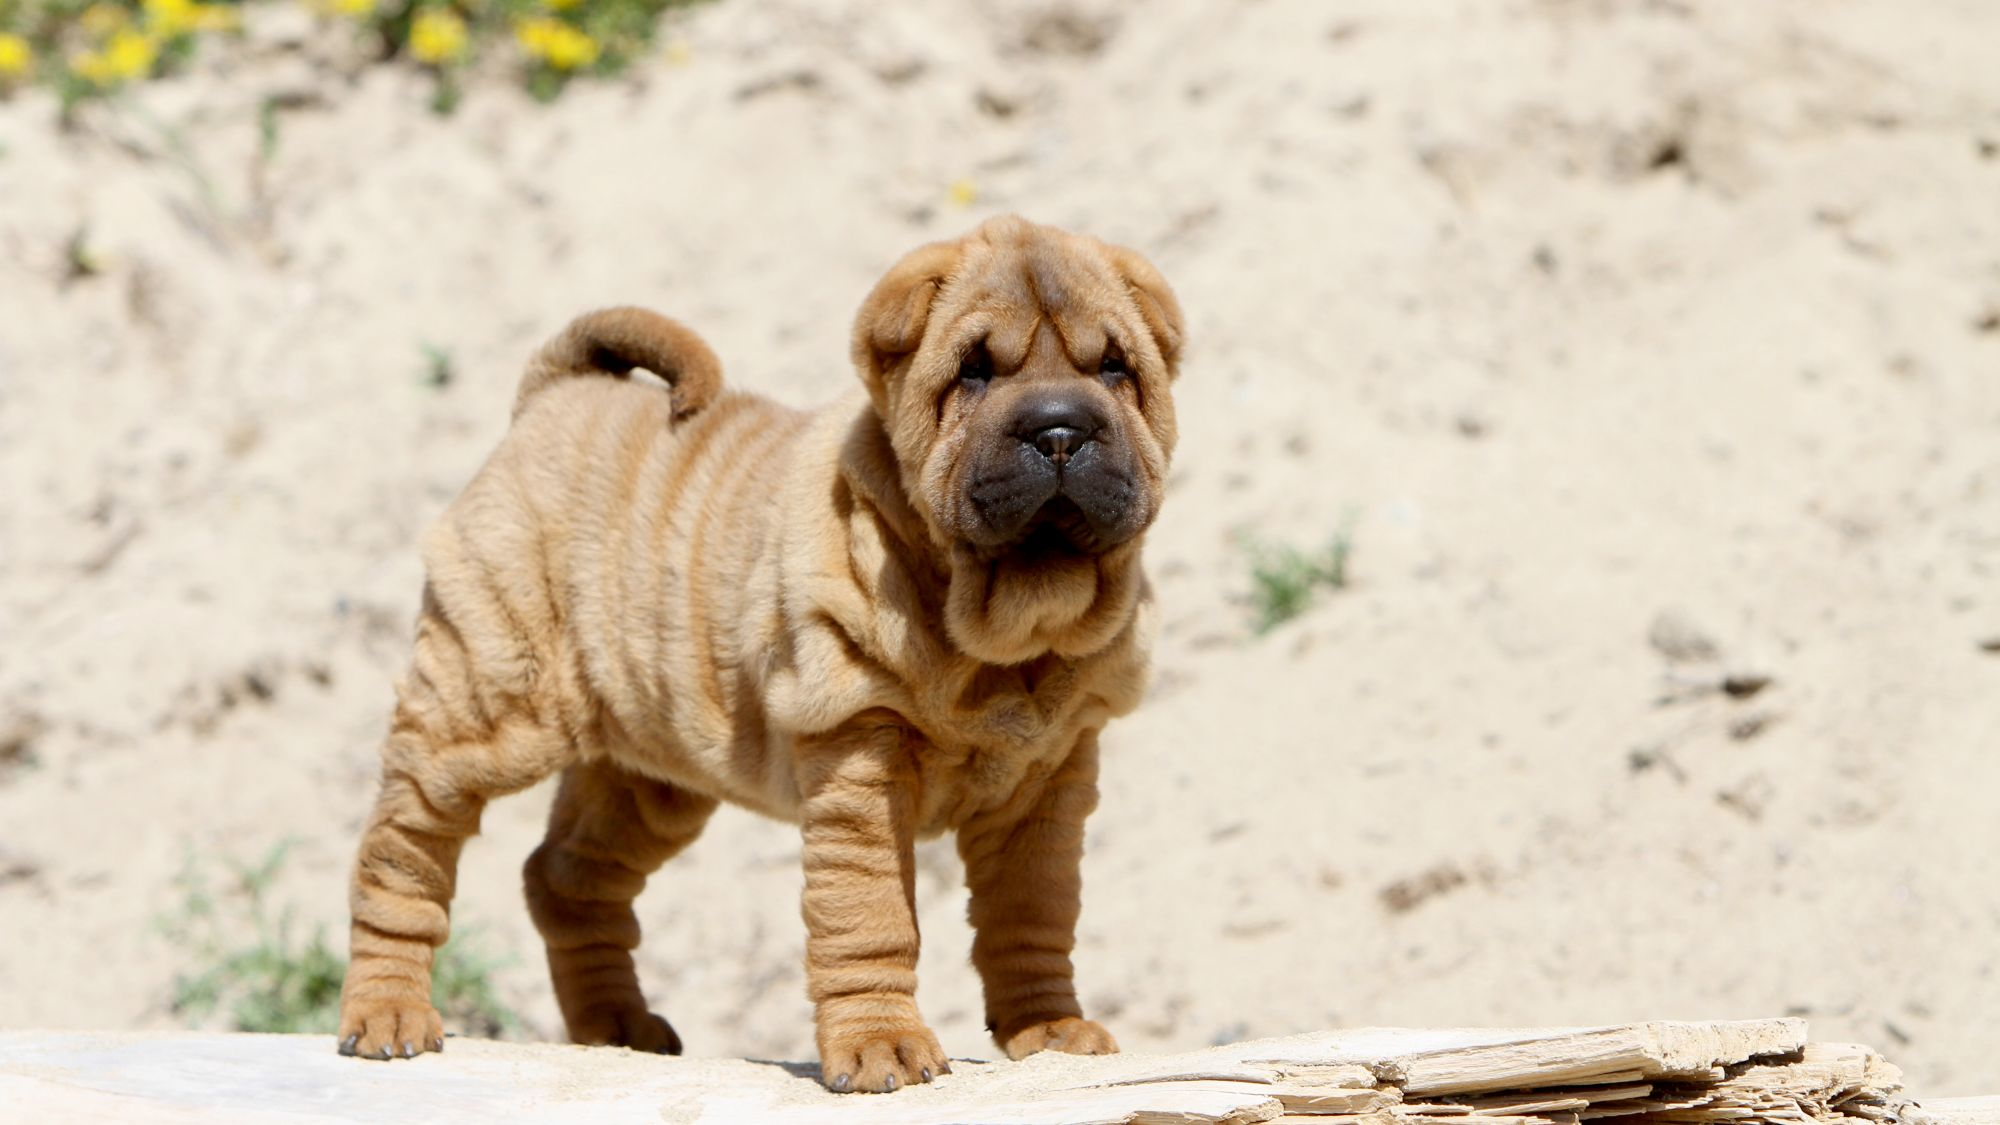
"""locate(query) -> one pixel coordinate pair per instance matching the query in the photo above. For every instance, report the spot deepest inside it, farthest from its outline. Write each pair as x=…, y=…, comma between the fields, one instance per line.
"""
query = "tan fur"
x=613, y=342
x=682, y=599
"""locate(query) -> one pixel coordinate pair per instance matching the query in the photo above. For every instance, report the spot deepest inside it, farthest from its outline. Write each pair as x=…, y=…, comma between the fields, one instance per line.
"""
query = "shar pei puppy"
x=907, y=614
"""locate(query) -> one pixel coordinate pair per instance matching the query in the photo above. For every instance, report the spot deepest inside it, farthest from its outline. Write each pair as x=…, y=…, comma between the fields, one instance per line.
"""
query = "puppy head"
x=1024, y=377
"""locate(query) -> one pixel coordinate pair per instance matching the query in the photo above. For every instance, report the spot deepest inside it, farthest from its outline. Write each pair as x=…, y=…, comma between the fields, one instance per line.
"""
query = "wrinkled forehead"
x=1040, y=291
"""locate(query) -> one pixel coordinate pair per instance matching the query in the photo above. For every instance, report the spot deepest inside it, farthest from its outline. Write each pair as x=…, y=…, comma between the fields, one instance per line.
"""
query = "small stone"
x=18, y=732
x=1069, y=32
x=293, y=83
x=1675, y=636
x=279, y=27
x=1751, y=725
x=1743, y=685
x=997, y=103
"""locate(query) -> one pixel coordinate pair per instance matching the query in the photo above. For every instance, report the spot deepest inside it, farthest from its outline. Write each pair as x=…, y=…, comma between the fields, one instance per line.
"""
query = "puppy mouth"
x=1058, y=530
x=1050, y=514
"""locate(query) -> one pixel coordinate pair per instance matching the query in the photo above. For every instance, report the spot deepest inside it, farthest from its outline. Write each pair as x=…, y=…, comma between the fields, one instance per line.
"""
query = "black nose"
x=1057, y=426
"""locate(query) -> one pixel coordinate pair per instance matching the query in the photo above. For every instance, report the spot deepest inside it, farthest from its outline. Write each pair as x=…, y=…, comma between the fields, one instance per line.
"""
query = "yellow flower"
x=170, y=18
x=353, y=9
x=127, y=55
x=556, y=43
x=560, y=5
x=131, y=54
x=962, y=192
x=15, y=57
x=437, y=36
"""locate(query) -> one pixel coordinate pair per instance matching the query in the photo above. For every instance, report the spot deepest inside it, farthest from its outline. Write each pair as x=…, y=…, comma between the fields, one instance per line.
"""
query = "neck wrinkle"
x=868, y=464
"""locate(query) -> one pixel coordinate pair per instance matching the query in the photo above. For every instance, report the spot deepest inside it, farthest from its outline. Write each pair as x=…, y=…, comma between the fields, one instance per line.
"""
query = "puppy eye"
x=1112, y=366
x=977, y=365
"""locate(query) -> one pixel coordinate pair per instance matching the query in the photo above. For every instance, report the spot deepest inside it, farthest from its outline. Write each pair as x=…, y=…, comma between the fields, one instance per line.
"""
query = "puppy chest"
x=1003, y=728
x=959, y=781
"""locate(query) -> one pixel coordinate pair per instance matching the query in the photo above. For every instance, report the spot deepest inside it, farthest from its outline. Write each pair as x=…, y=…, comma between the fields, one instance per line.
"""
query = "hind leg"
x=455, y=744
x=433, y=792
x=609, y=830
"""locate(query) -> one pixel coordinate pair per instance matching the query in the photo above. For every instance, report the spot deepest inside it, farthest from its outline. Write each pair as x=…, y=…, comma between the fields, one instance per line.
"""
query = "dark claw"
x=383, y=1055
x=944, y=1067
x=889, y=1084
x=409, y=1049
x=842, y=1084
x=347, y=1044
x=927, y=1074
x=437, y=1044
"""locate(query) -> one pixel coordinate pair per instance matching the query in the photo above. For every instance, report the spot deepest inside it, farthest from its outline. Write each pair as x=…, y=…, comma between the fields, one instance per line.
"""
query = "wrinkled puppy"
x=904, y=615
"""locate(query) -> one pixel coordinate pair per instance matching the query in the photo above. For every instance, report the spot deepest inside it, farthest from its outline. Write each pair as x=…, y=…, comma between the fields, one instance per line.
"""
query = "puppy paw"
x=879, y=1057
x=390, y=1027
x=1071, y=1035
x=633, y=1027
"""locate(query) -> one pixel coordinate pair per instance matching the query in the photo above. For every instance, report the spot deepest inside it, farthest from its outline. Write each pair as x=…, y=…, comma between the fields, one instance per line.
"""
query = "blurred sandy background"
x=1645, y=344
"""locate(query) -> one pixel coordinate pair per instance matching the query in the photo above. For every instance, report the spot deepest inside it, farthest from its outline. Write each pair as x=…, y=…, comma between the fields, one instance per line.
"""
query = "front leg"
x=859, y=790
x=1023, y=862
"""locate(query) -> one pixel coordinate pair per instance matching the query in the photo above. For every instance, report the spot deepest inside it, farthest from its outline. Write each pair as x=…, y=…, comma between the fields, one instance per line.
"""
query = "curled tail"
x=613, y=342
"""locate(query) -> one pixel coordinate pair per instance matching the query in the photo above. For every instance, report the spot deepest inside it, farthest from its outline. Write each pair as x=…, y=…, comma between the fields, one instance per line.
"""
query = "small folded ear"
x=891, y=322
x=1157, y=306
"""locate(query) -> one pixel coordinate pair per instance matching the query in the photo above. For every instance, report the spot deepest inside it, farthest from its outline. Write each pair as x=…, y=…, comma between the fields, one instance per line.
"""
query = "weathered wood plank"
x=1954, y=1111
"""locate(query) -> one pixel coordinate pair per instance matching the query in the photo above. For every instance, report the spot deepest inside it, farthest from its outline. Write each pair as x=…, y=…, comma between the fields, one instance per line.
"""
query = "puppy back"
x=614, y=341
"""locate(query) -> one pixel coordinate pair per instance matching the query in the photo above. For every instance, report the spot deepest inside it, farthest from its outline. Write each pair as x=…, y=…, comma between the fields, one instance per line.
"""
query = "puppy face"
x=1024, y=377
x=1045, y=446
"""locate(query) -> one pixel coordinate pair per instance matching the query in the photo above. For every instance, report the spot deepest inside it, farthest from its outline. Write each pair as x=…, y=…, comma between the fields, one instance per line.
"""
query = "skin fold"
x=906, y=614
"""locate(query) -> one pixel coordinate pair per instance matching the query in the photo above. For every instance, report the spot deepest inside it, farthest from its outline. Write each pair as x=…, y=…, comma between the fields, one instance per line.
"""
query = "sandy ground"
x=1618, y=329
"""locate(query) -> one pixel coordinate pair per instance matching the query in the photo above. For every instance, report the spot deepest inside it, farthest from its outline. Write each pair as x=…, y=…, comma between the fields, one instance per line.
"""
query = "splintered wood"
x=1648, y=1074
x=1639, y=1074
